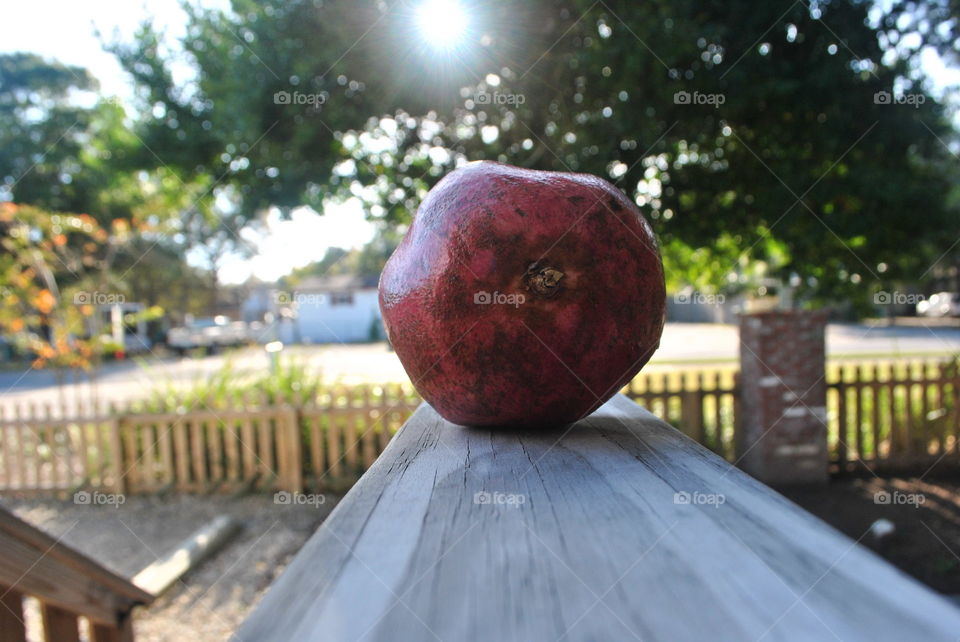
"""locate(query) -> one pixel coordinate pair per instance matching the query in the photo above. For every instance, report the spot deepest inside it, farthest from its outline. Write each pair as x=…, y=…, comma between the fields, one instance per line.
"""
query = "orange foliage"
x=45, y=301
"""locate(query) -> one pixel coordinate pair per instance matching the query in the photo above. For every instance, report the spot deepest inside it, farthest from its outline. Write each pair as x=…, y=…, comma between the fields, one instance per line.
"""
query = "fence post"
x=941, y=405
x=280, y=437
x=6, y=449
x=954, y=424
x=59, y=624
x=691, y=411
x=11, y=615
x=910, y=435
x=116, y=460
x=737, y=417
x=842, y=413
x=293, y=450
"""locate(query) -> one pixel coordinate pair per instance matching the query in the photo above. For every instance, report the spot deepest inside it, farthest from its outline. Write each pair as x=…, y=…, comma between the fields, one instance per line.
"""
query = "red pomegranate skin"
x=575, y=248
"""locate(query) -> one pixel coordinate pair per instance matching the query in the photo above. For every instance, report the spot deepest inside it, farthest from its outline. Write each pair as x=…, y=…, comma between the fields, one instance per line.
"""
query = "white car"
x=209, y=333
x=941, y=304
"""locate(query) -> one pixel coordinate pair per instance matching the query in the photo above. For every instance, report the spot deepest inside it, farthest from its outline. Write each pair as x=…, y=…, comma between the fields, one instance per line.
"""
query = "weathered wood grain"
x=589, y=540
x=33, y=563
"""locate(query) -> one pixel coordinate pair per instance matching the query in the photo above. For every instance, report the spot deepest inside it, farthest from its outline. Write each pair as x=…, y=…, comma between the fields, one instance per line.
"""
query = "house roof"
x=337, y=283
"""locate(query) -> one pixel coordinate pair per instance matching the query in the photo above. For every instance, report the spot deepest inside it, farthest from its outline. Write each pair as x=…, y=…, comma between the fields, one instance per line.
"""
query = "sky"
x=295, y=243
x=65, y=30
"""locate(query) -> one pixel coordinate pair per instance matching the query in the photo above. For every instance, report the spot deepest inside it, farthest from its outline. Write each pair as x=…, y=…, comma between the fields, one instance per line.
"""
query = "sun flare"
x=442, y=23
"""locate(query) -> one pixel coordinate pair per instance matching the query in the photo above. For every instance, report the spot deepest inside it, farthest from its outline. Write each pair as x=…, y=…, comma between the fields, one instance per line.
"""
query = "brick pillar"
x=783, y=434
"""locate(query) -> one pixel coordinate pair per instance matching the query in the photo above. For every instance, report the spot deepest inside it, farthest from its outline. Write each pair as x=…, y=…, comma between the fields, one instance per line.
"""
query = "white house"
x=334, y=309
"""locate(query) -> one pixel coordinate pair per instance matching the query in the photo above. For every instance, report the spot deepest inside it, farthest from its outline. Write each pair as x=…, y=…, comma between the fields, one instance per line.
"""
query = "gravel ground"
x=213, y=600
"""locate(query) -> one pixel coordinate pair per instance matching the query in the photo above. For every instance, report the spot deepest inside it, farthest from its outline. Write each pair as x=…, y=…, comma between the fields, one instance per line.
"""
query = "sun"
x=442, y=23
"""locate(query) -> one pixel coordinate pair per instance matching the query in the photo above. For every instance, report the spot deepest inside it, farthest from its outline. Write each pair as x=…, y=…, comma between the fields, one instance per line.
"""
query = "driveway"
x=696, y=342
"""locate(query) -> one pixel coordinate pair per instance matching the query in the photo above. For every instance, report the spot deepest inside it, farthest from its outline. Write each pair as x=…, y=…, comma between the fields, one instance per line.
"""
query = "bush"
x=292, y=383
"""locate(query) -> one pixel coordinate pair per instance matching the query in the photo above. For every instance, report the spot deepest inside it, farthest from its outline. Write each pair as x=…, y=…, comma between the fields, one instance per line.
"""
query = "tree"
x=49, y=317
x=41, y=133
x=367, y=261
x=749, y=133
x=56, y=155
x=154, y=272
x=934, y=23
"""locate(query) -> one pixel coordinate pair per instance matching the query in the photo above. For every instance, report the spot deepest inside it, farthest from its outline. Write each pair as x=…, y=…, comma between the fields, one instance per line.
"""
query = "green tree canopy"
x=42, y=134
x=786, y=160
x=65, y=149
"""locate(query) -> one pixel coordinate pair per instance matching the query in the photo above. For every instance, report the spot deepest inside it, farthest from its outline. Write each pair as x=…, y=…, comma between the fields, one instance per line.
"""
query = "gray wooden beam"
x=35, y=564
x=616, y=529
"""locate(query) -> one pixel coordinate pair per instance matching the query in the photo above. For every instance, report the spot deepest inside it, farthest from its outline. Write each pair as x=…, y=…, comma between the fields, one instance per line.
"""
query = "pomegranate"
x=523, y=298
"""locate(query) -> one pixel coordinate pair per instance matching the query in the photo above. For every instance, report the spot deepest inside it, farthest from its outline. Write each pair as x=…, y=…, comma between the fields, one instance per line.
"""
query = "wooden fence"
x=878, y=414
x=209, y=446
x=893, y=414
x=703, y=405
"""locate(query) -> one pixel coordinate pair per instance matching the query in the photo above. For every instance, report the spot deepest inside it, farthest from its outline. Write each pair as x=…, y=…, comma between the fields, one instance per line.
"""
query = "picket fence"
x=879, y=414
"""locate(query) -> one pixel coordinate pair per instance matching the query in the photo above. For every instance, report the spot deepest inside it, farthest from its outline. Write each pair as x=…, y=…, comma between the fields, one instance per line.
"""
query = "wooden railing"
x=328, y=441
x=617, y=528
x=68, y=585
